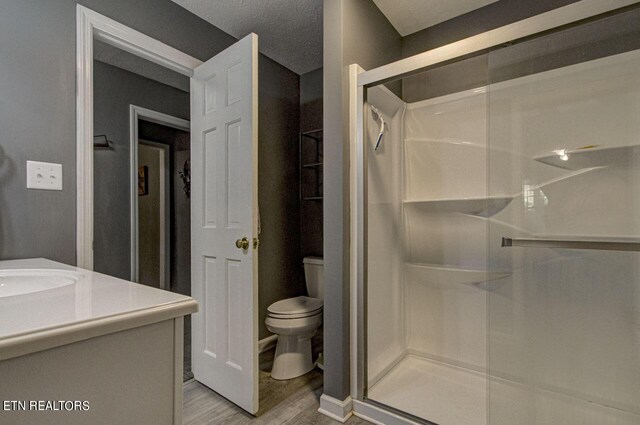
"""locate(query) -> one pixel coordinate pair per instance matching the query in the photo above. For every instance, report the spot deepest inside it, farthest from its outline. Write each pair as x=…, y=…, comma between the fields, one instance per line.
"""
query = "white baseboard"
x=267, y=343
x=379, y=416
x=338, y=410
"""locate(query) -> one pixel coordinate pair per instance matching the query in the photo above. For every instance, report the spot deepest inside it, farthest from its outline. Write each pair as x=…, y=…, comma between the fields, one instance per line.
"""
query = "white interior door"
x=224, y=150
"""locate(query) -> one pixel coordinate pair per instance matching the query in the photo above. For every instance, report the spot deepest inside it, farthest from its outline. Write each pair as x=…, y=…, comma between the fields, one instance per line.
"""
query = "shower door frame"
x=360, y=80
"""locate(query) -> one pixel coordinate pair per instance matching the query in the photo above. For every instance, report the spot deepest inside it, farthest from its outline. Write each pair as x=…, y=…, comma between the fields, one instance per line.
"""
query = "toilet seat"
x=295, y=316
x=295, y=308
x=294, y=326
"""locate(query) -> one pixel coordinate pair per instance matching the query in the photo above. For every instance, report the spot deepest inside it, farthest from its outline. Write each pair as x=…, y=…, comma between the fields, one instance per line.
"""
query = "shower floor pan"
x=440, y=393
x=450, y=395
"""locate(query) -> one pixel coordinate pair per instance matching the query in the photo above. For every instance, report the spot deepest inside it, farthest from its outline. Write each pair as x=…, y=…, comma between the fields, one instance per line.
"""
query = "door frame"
x=89, y=26
x=137, y=113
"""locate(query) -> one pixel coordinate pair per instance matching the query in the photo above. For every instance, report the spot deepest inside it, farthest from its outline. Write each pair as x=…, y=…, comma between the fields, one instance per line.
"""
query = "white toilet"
x=296, y=321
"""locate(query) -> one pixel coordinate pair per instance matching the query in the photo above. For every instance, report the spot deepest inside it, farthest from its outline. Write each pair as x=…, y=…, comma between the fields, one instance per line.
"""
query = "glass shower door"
x=564, y=146
x=425, y=307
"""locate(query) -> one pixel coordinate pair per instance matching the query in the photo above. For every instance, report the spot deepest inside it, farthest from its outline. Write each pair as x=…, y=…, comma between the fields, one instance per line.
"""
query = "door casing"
x=92, y=26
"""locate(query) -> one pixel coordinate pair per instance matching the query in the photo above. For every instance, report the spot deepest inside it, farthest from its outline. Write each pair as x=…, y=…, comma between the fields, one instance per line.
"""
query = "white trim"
x=379, y=416
x=137, y=113
x=536, y=24
x=90, y=25
x=160, y=118
x=339, y=410
x=355, y=104
x=132, y=41
x=84, y=133
x=266, y=344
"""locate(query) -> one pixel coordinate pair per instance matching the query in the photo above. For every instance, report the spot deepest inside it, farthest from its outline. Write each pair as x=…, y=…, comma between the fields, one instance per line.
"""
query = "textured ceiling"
x=409, y=16
x=289, y=31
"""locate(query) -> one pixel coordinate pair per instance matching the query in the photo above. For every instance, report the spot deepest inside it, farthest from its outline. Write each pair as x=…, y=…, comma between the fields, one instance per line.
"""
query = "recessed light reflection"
x=562, y=154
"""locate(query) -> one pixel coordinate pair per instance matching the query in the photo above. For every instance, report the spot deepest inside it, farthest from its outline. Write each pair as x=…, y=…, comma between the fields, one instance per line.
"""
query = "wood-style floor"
x=292, y=402
x=203, y=406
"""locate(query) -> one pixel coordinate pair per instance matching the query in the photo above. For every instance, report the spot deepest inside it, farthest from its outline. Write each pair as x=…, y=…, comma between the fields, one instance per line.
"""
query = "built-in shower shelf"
x=484, y=206
x=432, y=274
x=591, y=156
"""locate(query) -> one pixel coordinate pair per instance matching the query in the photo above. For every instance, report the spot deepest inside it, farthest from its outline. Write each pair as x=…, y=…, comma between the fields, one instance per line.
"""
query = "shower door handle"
x=604, y=245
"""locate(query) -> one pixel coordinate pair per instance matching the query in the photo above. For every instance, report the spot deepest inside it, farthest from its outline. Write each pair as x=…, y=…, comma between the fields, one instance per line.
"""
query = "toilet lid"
x=297, y=305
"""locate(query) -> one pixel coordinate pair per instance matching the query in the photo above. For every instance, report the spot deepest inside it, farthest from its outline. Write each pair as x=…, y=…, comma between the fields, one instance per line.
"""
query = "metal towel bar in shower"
x=606, y=245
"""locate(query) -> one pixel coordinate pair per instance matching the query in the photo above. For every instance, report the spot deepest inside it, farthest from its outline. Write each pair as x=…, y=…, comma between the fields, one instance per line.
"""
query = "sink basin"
x=15, y=282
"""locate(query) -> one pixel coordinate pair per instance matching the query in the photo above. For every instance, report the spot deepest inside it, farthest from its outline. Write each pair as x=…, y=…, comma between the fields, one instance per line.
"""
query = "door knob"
x=256, y=243
x=242, y=243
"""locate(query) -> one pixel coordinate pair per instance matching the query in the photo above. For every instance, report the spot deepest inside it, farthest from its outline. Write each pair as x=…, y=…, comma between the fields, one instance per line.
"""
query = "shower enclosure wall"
x=499, y=273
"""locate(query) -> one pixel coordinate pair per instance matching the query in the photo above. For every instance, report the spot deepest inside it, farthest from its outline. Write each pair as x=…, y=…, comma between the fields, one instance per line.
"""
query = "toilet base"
x=293, y=356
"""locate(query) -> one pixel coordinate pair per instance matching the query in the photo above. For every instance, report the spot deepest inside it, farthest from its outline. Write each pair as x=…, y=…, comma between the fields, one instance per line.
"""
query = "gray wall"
x=114, y=90
x=180, y=228
x=280, y=262
x=311, y=100
x=310, y=119
x=586, y=42
x=471, y=72
x=37, y=107
x=355, y=31
x=495, y=15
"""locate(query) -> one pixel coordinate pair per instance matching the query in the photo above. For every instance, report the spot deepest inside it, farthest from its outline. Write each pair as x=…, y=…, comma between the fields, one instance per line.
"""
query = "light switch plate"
x=44, y=175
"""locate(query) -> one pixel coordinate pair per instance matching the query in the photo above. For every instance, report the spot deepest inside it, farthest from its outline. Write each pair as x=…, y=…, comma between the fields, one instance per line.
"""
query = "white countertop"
x=95, y=305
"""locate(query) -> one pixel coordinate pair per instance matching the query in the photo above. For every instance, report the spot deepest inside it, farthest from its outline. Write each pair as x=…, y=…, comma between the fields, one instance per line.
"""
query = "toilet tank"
x=314, y=276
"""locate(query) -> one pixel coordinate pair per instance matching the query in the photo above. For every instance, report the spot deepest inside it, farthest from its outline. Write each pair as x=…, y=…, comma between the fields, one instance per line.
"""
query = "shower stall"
x=497, y=227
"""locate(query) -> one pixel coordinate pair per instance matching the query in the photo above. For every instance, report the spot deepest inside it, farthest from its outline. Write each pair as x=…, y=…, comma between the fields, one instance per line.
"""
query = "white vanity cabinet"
x=111, y=347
